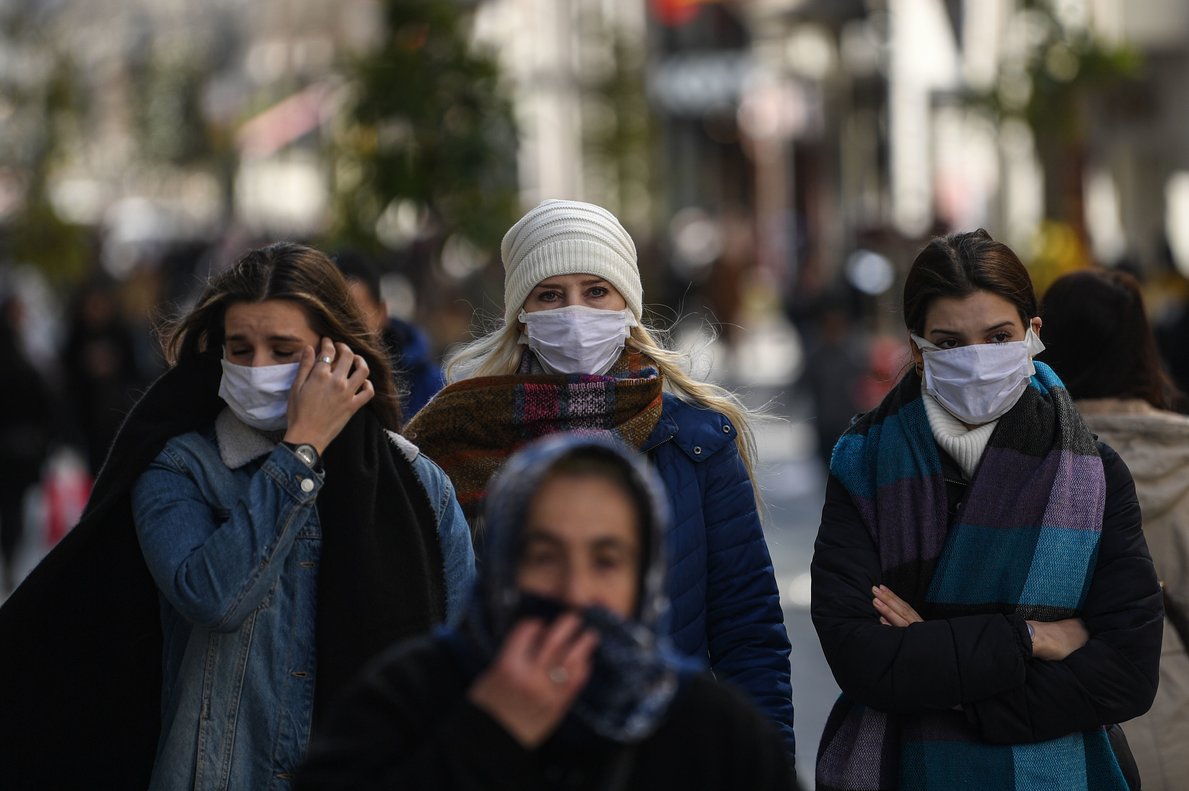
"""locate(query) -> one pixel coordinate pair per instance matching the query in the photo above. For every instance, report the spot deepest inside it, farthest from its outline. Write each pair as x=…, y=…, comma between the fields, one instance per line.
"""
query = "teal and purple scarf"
x=1025, y=542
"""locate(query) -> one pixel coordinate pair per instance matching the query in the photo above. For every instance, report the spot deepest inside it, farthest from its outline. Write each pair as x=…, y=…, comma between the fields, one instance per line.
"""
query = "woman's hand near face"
x=535, y=677
x=325, y=395
x=1055, y=640
x=893, y=611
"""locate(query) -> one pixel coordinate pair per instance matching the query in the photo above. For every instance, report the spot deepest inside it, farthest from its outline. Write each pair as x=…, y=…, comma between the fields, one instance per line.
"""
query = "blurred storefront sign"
x=288, y=120
x=700, y=83
x=282, y=186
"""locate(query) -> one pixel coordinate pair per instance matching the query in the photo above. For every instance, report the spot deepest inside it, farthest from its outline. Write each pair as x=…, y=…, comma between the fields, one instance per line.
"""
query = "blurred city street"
x=778, y=165
x=792, y=481
x=792, y=484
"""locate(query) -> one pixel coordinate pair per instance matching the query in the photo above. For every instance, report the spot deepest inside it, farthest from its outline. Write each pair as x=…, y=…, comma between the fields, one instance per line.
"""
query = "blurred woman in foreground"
x=559, y=676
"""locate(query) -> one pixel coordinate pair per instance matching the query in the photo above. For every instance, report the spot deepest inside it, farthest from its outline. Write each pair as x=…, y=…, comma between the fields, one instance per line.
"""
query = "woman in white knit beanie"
x=574, y=354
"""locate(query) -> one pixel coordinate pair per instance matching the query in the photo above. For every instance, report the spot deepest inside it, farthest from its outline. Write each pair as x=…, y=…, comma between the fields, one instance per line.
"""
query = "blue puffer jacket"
x=724, y=603
x=418, y=375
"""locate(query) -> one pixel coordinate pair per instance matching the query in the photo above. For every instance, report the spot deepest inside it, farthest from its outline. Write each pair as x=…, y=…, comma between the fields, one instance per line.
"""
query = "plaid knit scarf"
x=472, y=426
x=1025, y=542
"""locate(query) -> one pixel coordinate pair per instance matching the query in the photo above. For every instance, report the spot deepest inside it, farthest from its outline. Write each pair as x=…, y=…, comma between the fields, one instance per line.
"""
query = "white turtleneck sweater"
x=965, y=445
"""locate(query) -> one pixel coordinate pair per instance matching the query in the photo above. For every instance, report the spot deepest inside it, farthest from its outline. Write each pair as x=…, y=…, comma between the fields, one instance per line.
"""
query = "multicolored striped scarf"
x=472, y=426
x=1025, y=542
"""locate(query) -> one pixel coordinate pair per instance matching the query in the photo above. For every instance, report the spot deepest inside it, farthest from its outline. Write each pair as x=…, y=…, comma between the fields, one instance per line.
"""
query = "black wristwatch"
x=307, y=453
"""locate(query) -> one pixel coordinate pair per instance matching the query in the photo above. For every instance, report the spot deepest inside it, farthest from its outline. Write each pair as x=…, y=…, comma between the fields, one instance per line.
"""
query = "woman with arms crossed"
x=981, y=586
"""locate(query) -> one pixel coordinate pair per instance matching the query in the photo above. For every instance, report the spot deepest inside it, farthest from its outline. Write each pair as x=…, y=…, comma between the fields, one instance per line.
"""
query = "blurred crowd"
x=77, y=359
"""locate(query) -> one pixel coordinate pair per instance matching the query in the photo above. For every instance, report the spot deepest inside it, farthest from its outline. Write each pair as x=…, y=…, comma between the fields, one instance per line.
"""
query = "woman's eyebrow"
x=992, y=328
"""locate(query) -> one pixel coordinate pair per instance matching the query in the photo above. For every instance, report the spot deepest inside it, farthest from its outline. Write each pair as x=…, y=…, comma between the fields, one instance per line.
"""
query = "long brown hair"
x=297, y=274
x=1098, y=340
x=961, y=264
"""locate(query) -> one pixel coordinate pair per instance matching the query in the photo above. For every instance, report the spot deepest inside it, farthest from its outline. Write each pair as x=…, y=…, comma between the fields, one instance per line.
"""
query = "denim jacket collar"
x=239, y=443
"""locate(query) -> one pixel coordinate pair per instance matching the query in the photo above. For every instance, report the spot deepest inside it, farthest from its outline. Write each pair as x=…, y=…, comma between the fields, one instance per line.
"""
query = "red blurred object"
x=888, y=358
x=66, y=488
x=677, y=12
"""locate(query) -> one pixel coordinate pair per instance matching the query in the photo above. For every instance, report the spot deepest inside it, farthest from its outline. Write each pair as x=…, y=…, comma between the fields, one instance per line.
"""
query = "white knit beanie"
x=562, y=237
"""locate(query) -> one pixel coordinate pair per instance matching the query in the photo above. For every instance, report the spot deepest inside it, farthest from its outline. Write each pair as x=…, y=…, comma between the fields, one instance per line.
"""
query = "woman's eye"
x=549, y=296
x=948, y=343
x=283, y=354
x=608, y=564
x=598, y=292
x=538, y=559
x=1001, y=337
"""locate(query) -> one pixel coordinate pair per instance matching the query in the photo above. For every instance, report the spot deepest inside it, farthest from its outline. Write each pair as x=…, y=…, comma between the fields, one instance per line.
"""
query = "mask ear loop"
x=922, y=347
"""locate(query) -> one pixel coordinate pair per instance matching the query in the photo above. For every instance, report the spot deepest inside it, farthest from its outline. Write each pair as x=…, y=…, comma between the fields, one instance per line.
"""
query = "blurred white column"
x=542, y=45
x=1176, y=218
x=923, y=58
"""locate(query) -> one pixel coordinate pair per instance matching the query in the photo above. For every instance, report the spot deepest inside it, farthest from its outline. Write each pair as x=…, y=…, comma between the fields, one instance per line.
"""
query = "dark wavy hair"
x=959, y=265
x=297, y=274
x=1098, y=340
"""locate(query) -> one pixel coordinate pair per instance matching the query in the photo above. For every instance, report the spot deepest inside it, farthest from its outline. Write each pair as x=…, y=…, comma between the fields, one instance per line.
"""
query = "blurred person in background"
x=559, y=676
x=290, y=531
x=418, y=374
x=981, y=586
x=1098, y=338
x=26, y=417
x=1173, y=341
x=1166, y=296
x=99, y=362
x=572, y=354
x=836, y=363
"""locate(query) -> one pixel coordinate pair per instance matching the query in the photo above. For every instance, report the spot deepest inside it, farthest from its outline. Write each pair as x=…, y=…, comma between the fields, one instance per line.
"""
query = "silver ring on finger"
x=326, y=358
x=559, y=675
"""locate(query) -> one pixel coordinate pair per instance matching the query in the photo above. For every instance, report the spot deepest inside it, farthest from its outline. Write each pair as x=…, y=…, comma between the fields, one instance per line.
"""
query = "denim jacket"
x=238, y=604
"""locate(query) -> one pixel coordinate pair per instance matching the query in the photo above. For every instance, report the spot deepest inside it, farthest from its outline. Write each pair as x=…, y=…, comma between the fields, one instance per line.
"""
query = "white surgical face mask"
x=576, y=339
x=258, y=395
x=980, y=382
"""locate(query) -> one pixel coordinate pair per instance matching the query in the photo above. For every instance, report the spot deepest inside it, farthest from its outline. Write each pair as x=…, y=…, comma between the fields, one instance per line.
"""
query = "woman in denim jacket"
x=280, y=572
x=290, y=532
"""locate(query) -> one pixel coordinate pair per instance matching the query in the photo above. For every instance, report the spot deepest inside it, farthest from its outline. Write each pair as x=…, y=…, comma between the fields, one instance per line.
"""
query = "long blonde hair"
x=498, y=353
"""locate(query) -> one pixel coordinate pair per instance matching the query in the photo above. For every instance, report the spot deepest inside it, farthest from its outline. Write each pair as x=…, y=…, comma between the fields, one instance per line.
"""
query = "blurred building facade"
x=825, y=127
x=783, y=133
x=182, y=117
x=921, y=115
